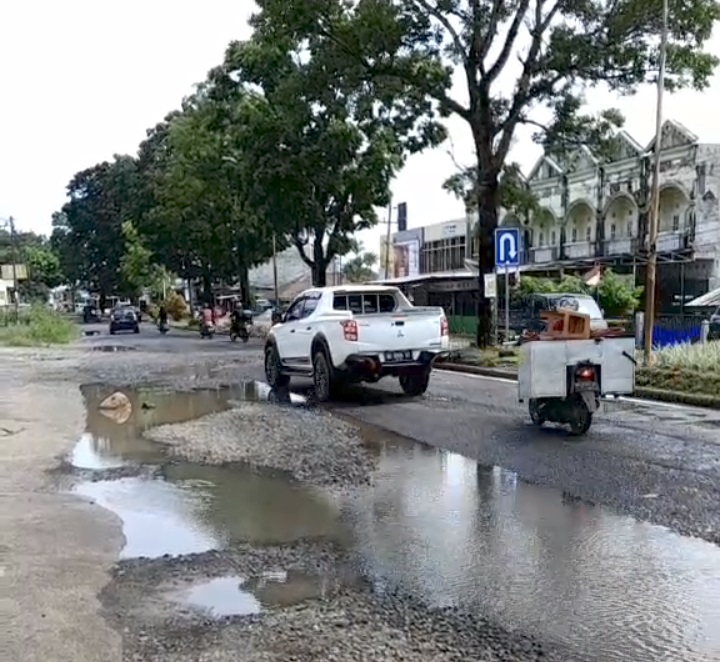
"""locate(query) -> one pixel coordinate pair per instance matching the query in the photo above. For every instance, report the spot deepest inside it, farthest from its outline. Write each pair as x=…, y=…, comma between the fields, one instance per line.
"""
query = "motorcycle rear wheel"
x=581, y=420
x=535, y=414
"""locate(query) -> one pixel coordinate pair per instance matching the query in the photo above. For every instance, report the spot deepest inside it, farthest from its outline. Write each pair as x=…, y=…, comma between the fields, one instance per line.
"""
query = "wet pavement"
x=434, y=525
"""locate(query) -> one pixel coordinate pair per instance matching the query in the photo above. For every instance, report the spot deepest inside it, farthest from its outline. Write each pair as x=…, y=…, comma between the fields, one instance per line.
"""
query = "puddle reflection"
x=454, y=533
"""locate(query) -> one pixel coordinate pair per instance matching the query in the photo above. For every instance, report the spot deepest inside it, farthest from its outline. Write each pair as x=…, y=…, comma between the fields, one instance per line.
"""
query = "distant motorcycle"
x=240, y=328
x=163, y=327
x=207, y=330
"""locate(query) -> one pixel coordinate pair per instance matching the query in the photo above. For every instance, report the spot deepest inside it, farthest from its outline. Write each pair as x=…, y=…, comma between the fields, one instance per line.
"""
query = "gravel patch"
x=310, y=446
x=347, y=624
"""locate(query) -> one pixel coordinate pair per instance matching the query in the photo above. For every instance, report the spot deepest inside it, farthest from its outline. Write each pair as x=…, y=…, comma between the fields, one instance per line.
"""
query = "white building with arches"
x=595, y=211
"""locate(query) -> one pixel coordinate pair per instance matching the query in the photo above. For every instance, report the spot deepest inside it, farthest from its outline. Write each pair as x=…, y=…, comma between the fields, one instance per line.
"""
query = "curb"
x=705, y=401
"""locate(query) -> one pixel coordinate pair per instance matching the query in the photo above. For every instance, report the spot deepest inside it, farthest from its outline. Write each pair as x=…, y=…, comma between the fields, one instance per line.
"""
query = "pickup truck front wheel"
x=323, y=377
x=415, y=383
x=273, y=368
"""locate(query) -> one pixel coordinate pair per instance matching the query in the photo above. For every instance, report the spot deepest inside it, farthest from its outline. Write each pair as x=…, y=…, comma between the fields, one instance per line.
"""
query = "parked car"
x=356, y=333
x=529, y=318
x=124, y=319
x=714, y=331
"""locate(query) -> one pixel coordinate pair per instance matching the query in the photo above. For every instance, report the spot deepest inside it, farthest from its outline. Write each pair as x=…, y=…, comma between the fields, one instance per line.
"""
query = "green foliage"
x=136, y=263
x=321, y=142
x=614, y=294
x=87, y=233
x=359, y=269
x=702, y=358
x=39, y=326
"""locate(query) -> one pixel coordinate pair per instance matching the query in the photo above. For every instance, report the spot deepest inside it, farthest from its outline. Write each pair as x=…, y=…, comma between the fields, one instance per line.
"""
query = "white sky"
x=83, y=80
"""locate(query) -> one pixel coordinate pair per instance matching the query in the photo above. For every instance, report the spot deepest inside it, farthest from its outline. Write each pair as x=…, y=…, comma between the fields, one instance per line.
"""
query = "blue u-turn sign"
x=507, y=247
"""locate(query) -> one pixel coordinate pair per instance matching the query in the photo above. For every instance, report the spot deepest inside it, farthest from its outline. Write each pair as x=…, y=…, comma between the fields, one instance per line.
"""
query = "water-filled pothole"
x=114, y=437
x=199, y=508
x=113, y=348
x=241, y=596
x=440, y=527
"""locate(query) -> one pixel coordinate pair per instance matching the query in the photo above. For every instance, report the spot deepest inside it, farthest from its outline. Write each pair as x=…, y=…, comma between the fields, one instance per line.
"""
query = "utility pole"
x=387, y=244
x=275, y=274
x=654, y=220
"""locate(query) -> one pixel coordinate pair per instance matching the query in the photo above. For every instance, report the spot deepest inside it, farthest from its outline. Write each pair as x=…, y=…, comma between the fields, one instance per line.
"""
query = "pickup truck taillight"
x=350, y=330
x=444, y=327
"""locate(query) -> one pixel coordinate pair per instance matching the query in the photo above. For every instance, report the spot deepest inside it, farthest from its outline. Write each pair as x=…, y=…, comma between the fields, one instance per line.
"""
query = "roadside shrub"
x=39, y=326
x=176, y=307
x=689, y=357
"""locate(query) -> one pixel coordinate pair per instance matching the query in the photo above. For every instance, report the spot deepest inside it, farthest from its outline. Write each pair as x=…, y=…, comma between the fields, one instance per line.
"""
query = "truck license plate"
x=398, y=356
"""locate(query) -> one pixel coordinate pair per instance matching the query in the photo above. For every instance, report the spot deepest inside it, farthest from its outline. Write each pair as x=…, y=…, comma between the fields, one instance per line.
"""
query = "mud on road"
x=231, y=549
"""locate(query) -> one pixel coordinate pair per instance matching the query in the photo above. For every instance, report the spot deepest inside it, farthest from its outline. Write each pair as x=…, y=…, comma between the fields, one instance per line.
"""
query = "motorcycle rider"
x=162, y=317
x=207, y=319
x=238, y=319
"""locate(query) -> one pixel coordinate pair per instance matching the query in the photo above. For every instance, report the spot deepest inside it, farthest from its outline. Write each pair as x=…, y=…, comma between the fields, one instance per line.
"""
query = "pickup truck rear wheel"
x=415, y=383
x=323, y=376
x=273, y=368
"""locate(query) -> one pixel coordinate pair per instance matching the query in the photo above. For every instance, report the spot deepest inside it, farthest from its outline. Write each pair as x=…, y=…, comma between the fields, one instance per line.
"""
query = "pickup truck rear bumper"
x=371, y=367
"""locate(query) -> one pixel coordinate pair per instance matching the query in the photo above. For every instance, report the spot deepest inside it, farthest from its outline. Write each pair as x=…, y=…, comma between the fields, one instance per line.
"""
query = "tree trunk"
x=319, y=263
x=487, y=202
x=207, y=286
x=244, y=280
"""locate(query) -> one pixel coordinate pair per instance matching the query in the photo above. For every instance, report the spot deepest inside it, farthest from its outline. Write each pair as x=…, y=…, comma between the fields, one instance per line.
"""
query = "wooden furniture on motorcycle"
x=565, y=325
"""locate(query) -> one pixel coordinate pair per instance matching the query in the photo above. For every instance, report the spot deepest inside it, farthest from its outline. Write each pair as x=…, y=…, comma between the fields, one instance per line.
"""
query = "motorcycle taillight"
x=585, y=374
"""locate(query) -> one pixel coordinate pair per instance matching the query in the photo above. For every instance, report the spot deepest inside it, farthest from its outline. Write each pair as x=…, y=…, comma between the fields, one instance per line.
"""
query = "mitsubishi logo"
x=400, y=333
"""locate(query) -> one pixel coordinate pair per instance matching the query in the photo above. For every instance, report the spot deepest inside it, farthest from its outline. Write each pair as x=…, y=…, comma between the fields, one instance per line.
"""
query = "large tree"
x=521, y=63
x=321, y=145
x=201, y=214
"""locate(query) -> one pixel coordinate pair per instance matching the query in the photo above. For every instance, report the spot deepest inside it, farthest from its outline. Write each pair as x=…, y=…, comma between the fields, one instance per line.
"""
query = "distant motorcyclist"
x=163, y=315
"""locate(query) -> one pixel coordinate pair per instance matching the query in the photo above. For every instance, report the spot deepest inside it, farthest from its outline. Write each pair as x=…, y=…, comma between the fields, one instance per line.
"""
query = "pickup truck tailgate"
x=419, y=328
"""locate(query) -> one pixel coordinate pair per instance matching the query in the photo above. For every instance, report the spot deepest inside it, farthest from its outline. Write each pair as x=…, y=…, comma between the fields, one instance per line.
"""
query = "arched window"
x=613, y=231
x=574, y=234
x=588, y=234
x=541, y=240
x=553, y=238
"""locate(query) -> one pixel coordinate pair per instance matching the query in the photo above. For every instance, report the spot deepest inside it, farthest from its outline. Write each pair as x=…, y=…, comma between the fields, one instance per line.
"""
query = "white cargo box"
x=544, y=363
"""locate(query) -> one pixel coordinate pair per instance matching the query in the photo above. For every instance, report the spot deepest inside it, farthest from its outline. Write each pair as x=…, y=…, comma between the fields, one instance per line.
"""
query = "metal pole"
x=495, y=306
x=275, y=274
x=651, y=274
x=507, y=303
x=387, y=244
x=13, y=254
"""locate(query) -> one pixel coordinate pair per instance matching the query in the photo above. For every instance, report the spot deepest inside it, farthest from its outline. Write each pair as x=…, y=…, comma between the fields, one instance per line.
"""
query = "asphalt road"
x=654, y=461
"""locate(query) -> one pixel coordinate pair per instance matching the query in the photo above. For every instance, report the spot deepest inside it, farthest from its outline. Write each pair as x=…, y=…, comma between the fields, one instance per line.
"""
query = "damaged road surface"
x=436, y=558
x=199, y=516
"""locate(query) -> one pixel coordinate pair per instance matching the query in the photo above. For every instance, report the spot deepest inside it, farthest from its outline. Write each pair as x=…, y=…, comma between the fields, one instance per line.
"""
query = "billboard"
x=406, y=259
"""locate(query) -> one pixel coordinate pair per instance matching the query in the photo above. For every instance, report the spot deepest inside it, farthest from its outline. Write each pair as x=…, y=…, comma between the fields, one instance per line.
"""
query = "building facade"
x=595, y=211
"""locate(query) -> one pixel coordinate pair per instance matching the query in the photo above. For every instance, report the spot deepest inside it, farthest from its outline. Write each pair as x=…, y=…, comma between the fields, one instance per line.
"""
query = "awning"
x=709, y=300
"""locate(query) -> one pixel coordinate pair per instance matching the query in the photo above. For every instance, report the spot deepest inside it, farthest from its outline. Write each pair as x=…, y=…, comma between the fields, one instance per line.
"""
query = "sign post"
x=507, y=256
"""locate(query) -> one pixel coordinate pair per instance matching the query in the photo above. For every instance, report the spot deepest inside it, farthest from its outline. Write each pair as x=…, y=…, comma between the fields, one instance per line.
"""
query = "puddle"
x=239, y=596
x=434, y=524
x=219, y=597
x=198, y=508
x=112, y=348
x=112, y=440
x=453, y=533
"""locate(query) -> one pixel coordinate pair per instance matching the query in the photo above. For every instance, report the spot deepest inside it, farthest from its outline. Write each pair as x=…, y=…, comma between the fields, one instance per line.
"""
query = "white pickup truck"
x=355, y=333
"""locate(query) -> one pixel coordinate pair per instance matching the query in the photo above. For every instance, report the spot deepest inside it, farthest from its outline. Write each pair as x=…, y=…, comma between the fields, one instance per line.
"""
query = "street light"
x=10, y=223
